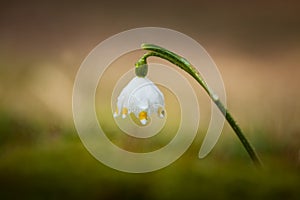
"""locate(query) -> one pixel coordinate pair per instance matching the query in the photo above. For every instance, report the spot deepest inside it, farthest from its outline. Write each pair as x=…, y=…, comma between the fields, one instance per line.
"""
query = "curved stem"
x=181, y=62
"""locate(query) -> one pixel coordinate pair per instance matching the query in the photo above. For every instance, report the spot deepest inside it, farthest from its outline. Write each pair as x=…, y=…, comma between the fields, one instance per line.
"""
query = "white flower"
x=142, y=98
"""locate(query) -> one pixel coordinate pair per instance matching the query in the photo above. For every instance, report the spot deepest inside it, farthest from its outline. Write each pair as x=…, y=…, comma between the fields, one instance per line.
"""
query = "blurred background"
x=256, y=46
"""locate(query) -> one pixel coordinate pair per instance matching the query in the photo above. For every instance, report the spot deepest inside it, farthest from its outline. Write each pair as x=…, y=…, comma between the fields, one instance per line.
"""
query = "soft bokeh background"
x=256, y=46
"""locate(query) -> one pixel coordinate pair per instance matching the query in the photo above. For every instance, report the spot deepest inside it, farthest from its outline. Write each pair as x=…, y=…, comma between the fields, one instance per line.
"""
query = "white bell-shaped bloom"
x=141, y=97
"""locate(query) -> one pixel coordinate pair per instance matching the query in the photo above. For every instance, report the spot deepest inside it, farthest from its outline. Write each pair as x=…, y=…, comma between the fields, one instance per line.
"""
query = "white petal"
x=140, y=94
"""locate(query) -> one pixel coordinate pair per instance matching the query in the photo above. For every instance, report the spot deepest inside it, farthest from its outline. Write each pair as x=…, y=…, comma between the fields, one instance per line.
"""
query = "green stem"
x=187, y=67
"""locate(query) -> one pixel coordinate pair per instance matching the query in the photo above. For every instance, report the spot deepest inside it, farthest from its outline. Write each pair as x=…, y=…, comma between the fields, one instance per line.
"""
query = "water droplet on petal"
x=143, y=121
x=138, y=121
x=161, y=112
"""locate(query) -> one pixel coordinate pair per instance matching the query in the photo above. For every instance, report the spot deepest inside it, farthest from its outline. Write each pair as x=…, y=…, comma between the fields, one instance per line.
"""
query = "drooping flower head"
x=142, y=98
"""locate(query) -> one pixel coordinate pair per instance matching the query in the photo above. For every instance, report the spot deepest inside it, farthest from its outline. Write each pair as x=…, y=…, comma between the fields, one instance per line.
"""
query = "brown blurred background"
x=255, y=44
